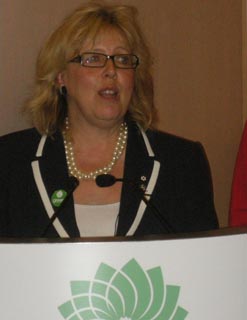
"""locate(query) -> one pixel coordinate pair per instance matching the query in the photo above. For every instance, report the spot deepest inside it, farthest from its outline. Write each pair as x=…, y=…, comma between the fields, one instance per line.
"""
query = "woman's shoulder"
x=173, y=148
x=19, y=143
x=25, y=133
x=178, y=152
x=20, y=138
x=166, y=140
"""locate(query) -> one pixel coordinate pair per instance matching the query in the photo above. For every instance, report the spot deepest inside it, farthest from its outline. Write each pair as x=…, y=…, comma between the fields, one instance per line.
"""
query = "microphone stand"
x=107, y=180
x=157, y=213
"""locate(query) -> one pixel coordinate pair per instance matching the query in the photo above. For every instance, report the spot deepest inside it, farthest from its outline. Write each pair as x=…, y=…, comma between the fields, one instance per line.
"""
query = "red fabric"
x=238, y=207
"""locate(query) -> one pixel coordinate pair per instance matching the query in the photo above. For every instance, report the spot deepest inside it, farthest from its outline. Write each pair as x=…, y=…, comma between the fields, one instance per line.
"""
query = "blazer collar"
x=52, y=164
x=139, y=165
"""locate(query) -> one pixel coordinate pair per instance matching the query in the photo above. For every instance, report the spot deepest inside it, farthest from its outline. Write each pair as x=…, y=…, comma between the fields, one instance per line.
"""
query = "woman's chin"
x=111, y=116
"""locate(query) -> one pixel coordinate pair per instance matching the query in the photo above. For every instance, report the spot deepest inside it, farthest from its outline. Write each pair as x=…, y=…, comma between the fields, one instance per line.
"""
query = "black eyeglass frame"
x=79, y=59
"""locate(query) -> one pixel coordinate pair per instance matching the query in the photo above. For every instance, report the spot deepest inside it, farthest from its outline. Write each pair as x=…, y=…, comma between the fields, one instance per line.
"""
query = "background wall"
x=197, y=49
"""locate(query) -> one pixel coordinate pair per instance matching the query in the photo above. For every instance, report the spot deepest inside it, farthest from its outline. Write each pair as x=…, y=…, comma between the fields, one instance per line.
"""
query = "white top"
x=97, y=220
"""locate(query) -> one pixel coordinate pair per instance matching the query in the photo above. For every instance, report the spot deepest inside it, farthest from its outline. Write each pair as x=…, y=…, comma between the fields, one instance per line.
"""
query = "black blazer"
x=174, y=170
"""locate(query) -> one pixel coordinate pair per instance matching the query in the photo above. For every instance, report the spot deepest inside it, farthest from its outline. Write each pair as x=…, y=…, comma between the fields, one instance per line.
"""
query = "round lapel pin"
x=58, y=197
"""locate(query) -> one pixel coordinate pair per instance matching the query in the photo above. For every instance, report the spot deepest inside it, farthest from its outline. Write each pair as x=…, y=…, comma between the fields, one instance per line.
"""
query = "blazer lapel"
x=54, y=173
x=138, y=169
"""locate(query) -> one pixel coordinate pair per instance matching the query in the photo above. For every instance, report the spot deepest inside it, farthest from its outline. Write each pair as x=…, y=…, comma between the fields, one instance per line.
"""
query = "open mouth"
x=109, y=93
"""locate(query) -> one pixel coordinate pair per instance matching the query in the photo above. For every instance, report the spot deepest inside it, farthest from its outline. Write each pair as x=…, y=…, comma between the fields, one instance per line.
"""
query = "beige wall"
x=197, y=48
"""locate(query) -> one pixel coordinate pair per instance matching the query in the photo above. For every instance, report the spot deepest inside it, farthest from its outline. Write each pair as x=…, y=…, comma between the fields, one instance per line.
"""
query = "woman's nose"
x=110, y=69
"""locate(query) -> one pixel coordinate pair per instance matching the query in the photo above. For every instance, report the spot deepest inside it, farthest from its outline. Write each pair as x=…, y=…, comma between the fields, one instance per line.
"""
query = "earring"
x=63, y=91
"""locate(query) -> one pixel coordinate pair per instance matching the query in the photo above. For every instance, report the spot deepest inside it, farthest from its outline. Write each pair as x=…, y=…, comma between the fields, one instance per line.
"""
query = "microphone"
x=107, y=180
x=72, y=185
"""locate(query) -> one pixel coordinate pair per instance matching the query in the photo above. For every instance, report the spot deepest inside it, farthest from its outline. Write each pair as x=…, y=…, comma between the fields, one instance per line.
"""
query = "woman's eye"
x=124, y=60
x=94, y=58
x=91, y=59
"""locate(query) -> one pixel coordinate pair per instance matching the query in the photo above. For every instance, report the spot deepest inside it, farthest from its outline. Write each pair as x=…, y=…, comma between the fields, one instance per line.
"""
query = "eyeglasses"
x=99, y=60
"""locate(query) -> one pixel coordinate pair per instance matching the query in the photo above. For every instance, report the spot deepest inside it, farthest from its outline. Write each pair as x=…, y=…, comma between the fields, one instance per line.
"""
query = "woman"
x=238, y=207
x=92, y=110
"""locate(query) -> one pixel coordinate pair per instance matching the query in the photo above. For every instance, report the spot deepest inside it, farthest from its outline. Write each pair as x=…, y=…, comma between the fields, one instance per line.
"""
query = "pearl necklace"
x=69, y=151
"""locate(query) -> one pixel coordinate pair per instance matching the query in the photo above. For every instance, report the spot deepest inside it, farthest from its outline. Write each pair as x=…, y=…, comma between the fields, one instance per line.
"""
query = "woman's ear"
x=60, y=79
x=60, y=83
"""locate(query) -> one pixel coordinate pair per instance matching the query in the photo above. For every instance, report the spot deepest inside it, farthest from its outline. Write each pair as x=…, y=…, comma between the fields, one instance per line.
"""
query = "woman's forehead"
x=106, y=35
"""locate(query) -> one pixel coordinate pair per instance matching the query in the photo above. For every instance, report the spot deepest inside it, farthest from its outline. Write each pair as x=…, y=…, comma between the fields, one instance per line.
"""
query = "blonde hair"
x=47, y=108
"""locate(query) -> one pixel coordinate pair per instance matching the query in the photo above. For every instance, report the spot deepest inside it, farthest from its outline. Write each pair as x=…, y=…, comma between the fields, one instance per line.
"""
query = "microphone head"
x=105, y=180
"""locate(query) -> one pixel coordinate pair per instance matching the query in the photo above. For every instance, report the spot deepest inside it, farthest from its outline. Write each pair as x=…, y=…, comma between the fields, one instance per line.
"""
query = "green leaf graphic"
x=127, y=294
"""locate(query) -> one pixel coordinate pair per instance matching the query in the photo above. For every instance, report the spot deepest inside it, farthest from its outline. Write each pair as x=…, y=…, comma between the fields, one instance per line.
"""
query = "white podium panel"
x=201, y=278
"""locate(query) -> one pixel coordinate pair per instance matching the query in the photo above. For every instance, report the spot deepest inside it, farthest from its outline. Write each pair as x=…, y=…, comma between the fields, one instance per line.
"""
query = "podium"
x=194, y=277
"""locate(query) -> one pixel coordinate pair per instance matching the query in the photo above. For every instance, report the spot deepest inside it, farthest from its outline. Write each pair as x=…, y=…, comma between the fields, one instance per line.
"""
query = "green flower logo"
x=127, y=294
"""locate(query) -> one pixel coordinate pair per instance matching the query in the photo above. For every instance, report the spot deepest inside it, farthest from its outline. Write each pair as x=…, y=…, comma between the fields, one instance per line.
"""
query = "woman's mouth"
x=109, y=93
